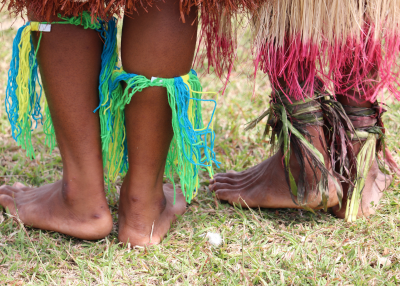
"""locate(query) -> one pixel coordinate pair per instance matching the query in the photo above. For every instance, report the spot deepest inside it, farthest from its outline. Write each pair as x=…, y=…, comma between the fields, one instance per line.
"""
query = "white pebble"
x=214, y=238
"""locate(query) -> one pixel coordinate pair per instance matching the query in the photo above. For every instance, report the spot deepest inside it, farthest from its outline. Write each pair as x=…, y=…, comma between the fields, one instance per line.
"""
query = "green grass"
x=261, y=247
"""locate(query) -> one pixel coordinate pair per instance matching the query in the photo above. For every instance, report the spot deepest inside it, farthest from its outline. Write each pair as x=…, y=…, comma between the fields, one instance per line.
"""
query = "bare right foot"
x=265, y=185
x=53, y=207
x=146, y=222
x=375, y=185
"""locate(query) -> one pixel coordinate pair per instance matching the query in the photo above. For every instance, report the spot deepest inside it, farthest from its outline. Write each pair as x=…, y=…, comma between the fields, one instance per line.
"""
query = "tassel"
x=349, y=124
x=192, y=146
x=337, y=124
x=23, y=102
x=109, y=60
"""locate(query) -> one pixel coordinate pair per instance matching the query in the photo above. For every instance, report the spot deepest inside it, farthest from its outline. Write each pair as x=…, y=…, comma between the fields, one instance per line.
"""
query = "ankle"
x=86, y=201
x=154, y=200
x=73, y=188
x=318, y=139
x=135, y=197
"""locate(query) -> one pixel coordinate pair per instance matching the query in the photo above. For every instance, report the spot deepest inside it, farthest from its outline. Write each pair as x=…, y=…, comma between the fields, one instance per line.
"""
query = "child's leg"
x=69, y=60
x=155, y=44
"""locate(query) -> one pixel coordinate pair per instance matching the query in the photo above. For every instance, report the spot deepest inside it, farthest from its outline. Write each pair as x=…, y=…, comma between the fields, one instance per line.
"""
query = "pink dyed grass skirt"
x=348, y=45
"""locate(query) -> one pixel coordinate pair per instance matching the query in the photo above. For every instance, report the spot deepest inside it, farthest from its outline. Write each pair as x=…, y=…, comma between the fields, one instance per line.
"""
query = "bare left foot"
x=265, y=185
x=60, y=207
x=144, y=221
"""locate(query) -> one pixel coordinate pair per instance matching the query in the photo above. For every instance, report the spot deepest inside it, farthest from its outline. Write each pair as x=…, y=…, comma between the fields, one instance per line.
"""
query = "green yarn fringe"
x=192, y=145
x=23, y=102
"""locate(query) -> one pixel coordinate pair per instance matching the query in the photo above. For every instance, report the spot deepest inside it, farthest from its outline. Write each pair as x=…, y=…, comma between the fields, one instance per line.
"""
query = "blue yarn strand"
x=35, y=97
x=11, y=100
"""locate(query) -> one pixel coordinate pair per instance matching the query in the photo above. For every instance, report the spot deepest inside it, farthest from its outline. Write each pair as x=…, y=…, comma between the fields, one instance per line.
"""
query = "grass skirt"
x=350, y=45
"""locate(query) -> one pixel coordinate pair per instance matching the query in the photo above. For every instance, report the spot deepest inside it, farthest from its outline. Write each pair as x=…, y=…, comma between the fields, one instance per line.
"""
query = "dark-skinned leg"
x=155, y=44
x=265, y=185
x=376, y=181
x=69, y=61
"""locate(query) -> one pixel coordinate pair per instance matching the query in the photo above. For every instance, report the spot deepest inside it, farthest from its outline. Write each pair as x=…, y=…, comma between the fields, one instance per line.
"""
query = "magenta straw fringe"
x=295, y=64
x=369, y=67
x=366, y=65
x=220, y=49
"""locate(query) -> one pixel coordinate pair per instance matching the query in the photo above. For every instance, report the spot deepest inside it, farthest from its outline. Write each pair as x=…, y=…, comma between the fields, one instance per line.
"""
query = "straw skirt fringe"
x=352, y=44
x=349, y=45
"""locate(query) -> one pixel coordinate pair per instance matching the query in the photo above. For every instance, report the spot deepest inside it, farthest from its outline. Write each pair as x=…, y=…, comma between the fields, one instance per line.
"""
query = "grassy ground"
x=266, y=247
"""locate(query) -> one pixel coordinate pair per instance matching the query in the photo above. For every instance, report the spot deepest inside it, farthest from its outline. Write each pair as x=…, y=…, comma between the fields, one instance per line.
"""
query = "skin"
x=154, y=43
x=75, y=205
x=264, y=185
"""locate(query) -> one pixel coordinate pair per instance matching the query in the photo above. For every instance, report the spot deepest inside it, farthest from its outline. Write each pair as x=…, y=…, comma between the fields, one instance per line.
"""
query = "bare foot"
x=52, y=207
x=265, y=185
x=375, y=184
x=143, y=222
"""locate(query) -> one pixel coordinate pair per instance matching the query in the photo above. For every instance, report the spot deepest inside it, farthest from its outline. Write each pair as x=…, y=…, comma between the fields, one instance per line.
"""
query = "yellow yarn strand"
x=23, y=74
x=34, y=26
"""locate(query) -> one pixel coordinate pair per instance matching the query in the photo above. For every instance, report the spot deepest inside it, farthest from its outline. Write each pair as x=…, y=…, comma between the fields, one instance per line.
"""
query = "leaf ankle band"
x=369, y=130
x=289, y=121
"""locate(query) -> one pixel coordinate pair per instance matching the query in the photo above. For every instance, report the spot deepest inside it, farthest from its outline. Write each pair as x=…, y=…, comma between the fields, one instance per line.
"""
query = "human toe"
x=229, y=174
x=228, y=195
x=19, y=186
x=8, y=203
x=219, y=186
x=9, y=191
